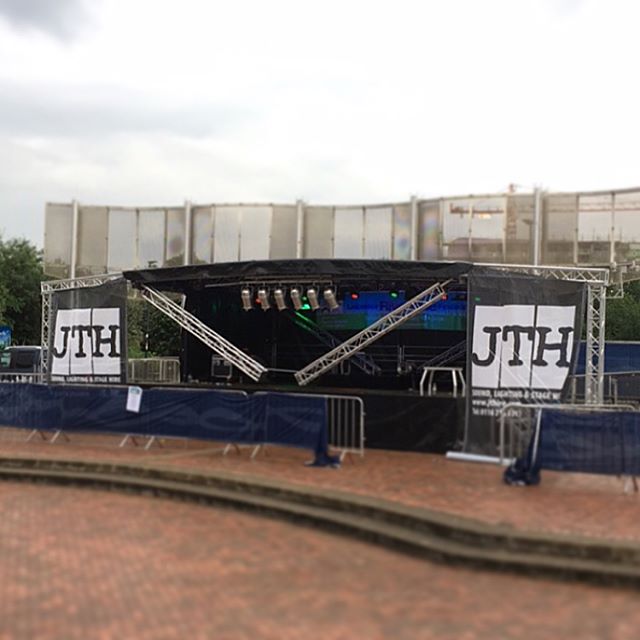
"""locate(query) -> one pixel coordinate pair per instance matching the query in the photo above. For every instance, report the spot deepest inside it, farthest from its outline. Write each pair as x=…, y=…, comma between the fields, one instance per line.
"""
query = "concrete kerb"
x=417, y=531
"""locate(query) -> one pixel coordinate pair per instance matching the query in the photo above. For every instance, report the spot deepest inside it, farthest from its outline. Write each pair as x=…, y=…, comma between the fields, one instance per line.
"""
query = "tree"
x=623, y=315
x=150, y=333
x=20, y=277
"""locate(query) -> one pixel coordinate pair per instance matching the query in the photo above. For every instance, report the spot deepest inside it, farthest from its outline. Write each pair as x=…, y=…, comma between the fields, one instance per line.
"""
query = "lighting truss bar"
x=361, y=360
x=50, y=286
x=205, y=334
x=374, y=331
x=590, y=275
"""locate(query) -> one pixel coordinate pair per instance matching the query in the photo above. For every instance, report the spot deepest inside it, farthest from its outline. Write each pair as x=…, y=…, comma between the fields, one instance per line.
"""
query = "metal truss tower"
x=597, y=281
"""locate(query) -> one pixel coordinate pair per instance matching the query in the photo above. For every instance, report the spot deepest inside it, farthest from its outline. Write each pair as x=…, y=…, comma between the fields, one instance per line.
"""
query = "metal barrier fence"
x=518, y=422
x=345, y=422
x=345, y=419
x=160, y=370
x=620, y=386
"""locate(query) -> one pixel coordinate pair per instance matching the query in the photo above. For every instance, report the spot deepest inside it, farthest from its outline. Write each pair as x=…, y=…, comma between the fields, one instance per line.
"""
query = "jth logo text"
x=87, y=342
x=522, y=346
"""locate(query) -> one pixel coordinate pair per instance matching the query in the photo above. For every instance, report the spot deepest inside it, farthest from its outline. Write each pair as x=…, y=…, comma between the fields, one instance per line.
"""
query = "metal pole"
x=299, y=228
x=537, y=214
x=414, y=227
x=74, y=239
x=187, y=233
x=612, y=232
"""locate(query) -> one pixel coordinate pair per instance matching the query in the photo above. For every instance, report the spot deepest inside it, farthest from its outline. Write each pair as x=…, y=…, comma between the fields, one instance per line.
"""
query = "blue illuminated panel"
x=369, y=306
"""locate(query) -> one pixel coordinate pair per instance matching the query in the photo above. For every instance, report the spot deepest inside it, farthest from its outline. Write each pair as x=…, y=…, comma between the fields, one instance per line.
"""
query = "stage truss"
x=596, y=279
x=51, y=286
x=372, y=333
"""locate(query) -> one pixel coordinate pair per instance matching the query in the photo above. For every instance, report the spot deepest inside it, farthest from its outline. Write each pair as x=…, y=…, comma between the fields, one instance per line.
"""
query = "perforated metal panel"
x=348, y=232
x=378, y=232
x=151, y=230
x=174, y=252
x=318, y=232
x=93, y=230
x=429, y=229
x=284, y=232
x=560, y=222
x=402, y=231
x=122, y=239
x=202, y=235
x=58, y=231
x=255, y=233
x=226, y=238
x=520, y=211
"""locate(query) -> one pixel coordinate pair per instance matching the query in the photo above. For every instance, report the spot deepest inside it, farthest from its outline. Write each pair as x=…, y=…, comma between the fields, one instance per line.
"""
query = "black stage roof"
x=292, y=271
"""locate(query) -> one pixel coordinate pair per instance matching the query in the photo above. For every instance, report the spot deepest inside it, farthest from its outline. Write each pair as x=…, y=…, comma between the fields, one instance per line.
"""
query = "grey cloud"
x=95, y=112
x=61, y=18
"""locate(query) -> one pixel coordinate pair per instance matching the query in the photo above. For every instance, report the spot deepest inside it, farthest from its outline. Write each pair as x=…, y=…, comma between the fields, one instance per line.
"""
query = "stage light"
x=393, y=294
x=263, y=296
x=278, y=294
x=296, y=298
x=312, y=295
x=245, y=294
x=354, y=296
x=330, y=298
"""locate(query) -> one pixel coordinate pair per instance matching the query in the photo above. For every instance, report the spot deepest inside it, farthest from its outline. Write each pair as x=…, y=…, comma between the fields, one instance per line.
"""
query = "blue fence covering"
x=261, y=418
x=606, y=442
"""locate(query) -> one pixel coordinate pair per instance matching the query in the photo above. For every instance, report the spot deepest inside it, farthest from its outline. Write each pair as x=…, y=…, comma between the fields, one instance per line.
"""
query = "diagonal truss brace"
x=205, y=334
x=374, y=331
x=361, y=360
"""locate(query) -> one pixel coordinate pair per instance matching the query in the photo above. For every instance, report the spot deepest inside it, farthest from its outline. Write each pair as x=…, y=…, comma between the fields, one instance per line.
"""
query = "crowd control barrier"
x=265, y=418
x=603, y=441
x=345, y=421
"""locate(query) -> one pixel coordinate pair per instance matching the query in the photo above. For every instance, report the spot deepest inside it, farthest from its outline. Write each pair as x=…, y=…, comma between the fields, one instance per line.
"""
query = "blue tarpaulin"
x=606, y=442
x=261, y=418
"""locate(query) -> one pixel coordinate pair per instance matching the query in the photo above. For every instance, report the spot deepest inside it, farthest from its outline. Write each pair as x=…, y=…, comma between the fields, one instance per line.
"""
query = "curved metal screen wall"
x=589, y=228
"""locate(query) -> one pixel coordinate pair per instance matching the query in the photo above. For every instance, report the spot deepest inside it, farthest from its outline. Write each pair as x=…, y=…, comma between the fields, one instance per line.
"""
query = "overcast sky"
x=153, y=101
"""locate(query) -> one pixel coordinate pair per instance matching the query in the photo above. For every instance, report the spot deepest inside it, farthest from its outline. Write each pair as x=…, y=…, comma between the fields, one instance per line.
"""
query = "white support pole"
x=612, y=232
x=535, y=227
x=187, y=233
x=299, y=228
x=414, y=228
x=74, y=239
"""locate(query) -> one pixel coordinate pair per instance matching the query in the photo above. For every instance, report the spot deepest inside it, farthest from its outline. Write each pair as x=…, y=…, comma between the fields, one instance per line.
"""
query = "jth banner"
x=523, y=336
x=88, y=336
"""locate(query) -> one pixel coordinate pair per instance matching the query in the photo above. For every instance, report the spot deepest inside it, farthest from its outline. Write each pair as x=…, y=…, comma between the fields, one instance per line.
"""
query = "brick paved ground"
x=79, y=563
x=564, y=503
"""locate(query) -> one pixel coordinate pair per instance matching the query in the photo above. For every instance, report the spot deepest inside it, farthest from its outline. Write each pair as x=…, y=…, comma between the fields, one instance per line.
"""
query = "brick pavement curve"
x=569, y=504
x=81, y=563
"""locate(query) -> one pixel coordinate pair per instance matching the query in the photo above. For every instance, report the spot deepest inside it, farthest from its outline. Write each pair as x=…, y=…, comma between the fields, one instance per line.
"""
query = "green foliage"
x=623, y=315
x=20, y=277
x=144, y=320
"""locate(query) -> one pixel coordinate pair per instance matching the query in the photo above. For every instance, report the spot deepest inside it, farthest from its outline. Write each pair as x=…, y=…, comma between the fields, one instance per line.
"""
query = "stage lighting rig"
x=312, y=296
x=296, y=298
x=330, y=298
x=278, y=295
x=263, y=296
x=247, y=303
